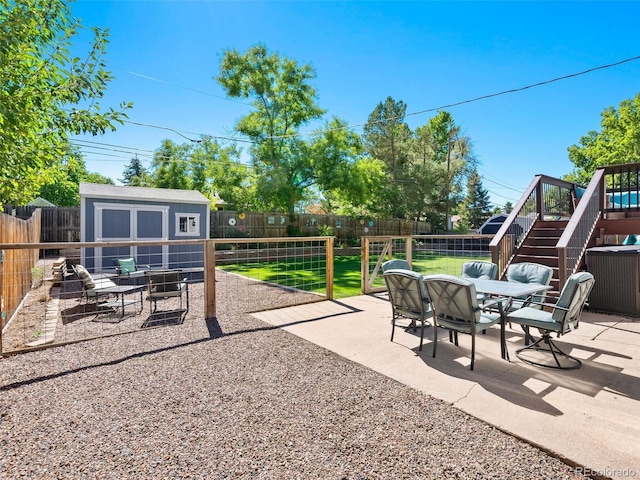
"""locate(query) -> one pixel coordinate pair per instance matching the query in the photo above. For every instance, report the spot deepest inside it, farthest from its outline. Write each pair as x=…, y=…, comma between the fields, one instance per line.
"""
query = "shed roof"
x=96, y=190
x=40, y=202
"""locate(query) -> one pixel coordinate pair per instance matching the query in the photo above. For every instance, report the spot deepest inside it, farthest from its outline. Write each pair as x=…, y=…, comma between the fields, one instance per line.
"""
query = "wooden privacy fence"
x=58, y=224
x=16, y=265
x=62, y=224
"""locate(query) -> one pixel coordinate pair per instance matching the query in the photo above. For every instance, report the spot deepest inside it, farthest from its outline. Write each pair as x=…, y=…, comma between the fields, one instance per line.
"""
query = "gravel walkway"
x=235, y=400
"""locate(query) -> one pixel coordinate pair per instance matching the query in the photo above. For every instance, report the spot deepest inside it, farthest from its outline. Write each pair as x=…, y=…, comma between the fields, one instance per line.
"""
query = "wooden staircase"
x=540, y=247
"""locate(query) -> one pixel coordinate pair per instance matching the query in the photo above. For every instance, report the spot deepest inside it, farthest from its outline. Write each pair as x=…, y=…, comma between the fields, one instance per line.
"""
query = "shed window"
x=187, y=224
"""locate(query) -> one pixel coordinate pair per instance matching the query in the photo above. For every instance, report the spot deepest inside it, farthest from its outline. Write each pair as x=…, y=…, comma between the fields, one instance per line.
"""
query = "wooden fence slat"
x=16, y=265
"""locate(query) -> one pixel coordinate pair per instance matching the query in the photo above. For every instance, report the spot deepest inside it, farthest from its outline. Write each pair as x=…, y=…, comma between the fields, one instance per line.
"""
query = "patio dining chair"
x=480, y=269
x=529, y=272
x=408, y=298
x=165, y=285
x=92, y=284
x=127, y=268
x=455, y=307
x=563, y=318
x=395, y=264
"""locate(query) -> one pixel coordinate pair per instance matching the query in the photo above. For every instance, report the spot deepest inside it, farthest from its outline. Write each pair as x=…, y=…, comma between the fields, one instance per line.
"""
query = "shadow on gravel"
x=165, y=318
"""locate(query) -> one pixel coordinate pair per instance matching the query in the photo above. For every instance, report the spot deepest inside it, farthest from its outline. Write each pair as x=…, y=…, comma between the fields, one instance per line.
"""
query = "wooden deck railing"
x=516, y=227
x=546, y=198
x=574, y=240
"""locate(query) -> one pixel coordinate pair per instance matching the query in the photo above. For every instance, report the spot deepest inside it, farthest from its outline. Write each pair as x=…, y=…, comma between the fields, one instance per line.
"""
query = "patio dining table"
x=120, y=303
x=508, y=290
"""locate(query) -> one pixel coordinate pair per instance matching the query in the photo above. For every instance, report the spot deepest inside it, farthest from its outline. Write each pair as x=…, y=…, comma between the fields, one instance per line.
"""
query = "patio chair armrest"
x=493, y=303
x=543, y=304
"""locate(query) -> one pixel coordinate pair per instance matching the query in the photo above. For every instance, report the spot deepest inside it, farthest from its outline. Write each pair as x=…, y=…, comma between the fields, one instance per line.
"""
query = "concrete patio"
x=590, y=417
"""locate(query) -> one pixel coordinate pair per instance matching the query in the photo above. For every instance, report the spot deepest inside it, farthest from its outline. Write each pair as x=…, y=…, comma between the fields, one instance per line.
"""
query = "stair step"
x=550, y=261
x=552, y=223
x=538, y=233
x=540, y=242
x=541, y=250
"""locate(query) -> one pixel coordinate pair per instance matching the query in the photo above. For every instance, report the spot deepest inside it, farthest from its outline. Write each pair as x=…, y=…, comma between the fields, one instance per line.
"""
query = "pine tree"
x=476, y=206
x=134, y=175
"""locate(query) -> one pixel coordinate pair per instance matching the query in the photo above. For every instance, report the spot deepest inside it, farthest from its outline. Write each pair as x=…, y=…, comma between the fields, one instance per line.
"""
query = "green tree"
x=442, y=159
x=386, y=135
x=476, y=207
x=217, y=172
x=347, y=179
x=64, y=188
x=45, y=93
x=617, y=143
x=283, y=101
x=387, y=138
x=134, y=174
x=169, y=168
x=360, y=198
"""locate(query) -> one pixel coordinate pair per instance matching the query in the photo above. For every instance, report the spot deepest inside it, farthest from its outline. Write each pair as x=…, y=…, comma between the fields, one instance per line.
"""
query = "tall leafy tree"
x=63, y=190
x=442, y=159
x=46, y=94
x=618, y=142
x=346, y=178
x=217, y=172
x=360, y=198
x=169, y=168
x=387, y=138
x=284, y=101
x=476, y=206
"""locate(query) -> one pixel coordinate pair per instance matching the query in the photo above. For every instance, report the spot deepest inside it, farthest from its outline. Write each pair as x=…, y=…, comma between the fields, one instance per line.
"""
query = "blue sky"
x=165, y=55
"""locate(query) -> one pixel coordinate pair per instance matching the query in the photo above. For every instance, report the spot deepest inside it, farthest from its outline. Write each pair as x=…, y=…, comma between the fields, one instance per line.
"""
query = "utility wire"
x=484, y=177
x=477, y=99
x=153, y=79
x=533, y=85
x=352, y=126
x=204, y=135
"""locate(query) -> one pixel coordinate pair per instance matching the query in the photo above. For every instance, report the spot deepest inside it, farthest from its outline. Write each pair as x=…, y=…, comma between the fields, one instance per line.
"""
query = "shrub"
x=294, y=231
x=326, y=231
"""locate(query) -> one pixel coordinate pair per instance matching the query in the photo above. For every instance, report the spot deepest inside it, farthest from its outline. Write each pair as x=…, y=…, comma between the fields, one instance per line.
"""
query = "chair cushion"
x=535, y=317
x=478, y=269
x=529, y=273
x=395, y=264
x=100, y=284
x=126, y=265
x=568, y=299
x=484, y=321
x=85, y=276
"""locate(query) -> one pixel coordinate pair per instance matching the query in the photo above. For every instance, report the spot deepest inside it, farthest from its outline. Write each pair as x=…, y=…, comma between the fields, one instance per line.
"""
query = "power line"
x=153, y=79
x=420, y=112
x=110, y=145
x=203, y=135
x=533, y=85
x=483, y=176
x=483, y=97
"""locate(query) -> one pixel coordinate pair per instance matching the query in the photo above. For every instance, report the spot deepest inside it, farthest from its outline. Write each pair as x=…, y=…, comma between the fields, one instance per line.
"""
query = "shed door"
x=124, y=223
x=151, y=225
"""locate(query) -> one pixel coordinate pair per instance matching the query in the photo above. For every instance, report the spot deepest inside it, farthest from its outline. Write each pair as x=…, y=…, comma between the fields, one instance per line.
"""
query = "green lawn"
x=308, y=274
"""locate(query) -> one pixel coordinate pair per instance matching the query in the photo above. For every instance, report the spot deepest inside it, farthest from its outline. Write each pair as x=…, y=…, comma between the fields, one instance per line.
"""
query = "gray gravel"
x=236, y=400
